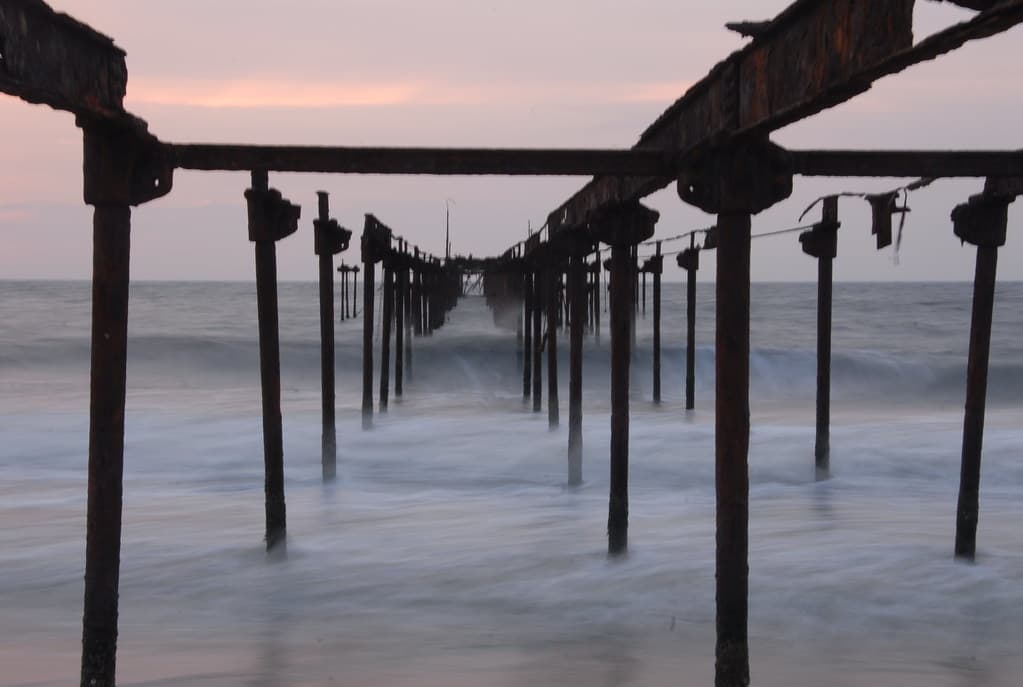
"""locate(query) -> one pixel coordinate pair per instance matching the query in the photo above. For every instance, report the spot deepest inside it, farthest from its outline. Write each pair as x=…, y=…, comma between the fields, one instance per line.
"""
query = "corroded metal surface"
x=49, y=58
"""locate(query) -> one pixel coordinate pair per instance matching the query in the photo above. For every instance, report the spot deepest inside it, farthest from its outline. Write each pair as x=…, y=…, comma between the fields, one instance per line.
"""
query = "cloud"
x=305, y=94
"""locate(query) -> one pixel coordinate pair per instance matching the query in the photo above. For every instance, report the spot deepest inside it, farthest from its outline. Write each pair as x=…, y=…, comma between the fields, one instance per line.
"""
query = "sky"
x=550, y=73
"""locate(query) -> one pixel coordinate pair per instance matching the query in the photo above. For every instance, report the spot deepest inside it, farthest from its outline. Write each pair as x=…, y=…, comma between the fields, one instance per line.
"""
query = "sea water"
x=450, y=551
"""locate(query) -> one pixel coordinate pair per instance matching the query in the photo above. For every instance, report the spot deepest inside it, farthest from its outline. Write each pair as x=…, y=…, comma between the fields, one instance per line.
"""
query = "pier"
x=713, y=145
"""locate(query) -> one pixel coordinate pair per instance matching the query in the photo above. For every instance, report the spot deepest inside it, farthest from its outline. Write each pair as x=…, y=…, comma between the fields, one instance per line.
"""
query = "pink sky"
x=573, y=73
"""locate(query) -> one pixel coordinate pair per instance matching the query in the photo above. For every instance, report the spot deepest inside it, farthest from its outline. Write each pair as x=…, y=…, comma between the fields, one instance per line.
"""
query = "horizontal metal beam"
x=441, y=161
x=907, y=163
x=49, y=58
x=815, y=55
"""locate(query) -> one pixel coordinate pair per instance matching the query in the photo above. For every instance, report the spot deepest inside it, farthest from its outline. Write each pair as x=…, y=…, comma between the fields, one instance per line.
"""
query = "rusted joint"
x=741, y=177
x=822, y=240
x=982, y=220
x=271, y=217
x=624, y=225
x=653, y=265
x=689, y=259
x=376, y=240
x=329, y=237
x=124, y=165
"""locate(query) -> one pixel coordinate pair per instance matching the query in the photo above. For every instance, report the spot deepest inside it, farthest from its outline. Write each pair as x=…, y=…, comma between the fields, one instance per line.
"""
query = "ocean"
x=450, y=551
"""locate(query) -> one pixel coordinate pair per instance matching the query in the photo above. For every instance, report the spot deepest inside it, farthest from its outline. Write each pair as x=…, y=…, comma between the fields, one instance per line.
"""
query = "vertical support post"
x=644, y=295
x=690, y=260
x=355, y=292
x=328, y=443
x=527, y=335
x=553, y=410
x=386, y=319
x=732, y=448
x=981, y=222
x=538, y=290
x=399, y=325
x=343, y=288
x=417, y=295
x=578, y=285
x=822, y=445
x=657, y=323
x=108, y=373
x=409, y=277
x=270, y=375
x=968, y=507
x=368, y=292
x=598, y=285
x=622, y=310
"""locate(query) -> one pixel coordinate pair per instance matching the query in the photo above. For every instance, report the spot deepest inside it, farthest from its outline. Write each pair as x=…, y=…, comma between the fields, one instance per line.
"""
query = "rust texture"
x=821, y=242
x=51, y=59
x=270, y=219
x=980, y=222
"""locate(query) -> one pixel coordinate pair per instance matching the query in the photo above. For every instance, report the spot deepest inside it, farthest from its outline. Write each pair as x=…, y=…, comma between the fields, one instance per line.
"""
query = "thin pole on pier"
x=657, y=323
x=368, y=293
x=598, y=285
x=355, y=292
x=622, y=310
x=644, y=294
x=538, y=290
x=269, y=358
x=326, y=259
x=579, y=281
x=527, y=334
x=689, y=260
x=409, y=275
x=417, y=295
x=732, y=448
x=386, y=320
x=108, y=372
x=553, y=410
x=399, y=324
x=981, y=222
x=343, y=288
x=821, y=242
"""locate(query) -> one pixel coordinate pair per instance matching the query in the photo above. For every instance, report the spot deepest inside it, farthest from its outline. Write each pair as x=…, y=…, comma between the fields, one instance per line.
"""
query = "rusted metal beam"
x=908, y=163
x=47, y=57
x=815, y=55
x=470, y=161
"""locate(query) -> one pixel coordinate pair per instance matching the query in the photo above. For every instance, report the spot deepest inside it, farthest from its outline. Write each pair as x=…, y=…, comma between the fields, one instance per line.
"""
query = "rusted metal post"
x=368, y=292
x=656, y=264
x=579, y=281
x=734, y=183
x=598, y=285
x=691, y=329
x=110, y=197
x=271, y=218
x=417, y=295
x=527, y=335
x=328, y=443
x=981, y=222
x=732, y=447
x=622, y=307
x=538, y=290
x=644, y=294
x=821, y=242
x=399, y=324
x=386, y=319
x=409, y=276
x=553, y=410
x=622, y=227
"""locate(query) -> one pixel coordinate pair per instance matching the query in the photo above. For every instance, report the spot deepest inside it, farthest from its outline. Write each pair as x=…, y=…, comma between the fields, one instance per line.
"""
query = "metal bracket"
x=624, y=224
x=982, y=220
x=124, y=166
x=329, y=237
x=271, y=217
x=822, y=240
x=737, y=178
x=689, y=259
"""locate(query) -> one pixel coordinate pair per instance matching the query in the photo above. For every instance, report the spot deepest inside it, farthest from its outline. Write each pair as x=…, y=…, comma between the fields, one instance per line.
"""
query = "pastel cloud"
x=261, y=93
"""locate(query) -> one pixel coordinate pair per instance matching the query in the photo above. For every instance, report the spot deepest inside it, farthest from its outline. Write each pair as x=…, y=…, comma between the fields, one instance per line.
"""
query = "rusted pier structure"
x=329, y=239
x=713, y=143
